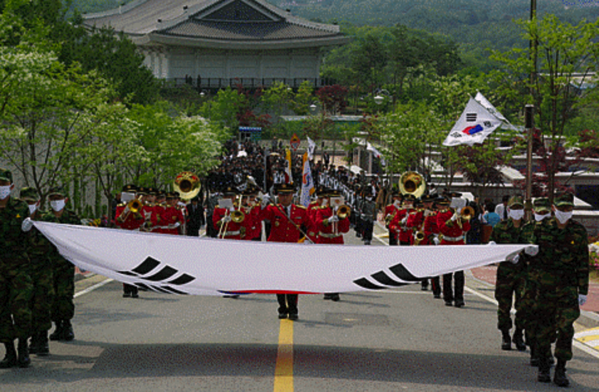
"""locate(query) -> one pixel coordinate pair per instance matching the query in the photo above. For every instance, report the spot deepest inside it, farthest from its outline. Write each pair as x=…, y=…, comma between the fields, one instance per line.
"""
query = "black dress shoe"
x=459, y=303
x=23, y=350
x=335, y=297
x=436, y=296
x=448, y=303
x=67, y=333
x=58, y=331
x=293, y=317
x=282, y=315
x=126, y=295
x=134, y=295
x=328, y=296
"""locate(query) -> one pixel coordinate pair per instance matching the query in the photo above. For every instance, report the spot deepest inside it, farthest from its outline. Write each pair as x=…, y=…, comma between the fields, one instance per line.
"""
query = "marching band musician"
x=416, y=221
x=398, y=223
x=228, y=229
x=159, y=212
x=286, y=221
x=129, y=220
x=431, y=232
x=312, y=209
x=391, y=211
x=173, y=218
x=453, y=227
x=148, y=196
x=330, y=228
x=252, y=220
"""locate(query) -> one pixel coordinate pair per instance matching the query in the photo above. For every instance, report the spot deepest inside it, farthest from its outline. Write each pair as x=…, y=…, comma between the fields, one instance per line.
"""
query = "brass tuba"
x=467, y=213
x=135, y=205
x=412, y=183
x=343, y=211
x=187, y=184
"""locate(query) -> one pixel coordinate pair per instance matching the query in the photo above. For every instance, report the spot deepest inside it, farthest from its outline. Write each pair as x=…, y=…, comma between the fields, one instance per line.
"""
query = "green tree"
x=300, y=104
x=564, y=52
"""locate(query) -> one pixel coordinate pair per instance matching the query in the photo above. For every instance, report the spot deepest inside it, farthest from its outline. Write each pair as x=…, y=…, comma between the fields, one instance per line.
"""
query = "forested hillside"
x=474, y=24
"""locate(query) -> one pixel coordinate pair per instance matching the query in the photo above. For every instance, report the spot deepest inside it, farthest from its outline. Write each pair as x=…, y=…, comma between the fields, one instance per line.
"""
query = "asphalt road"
x=384, y=341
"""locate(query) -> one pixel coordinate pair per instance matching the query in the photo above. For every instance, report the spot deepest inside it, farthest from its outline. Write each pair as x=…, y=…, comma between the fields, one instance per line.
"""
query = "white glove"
x=492, y=243
x=231, y=209
x=455, y=217
x=582, y=299
x=333, y=219
x=514, y=259
x=404, y=220
x=27, y=225
x=436, y=240
x=265, y=201
x=227, y=219
x=531, y=250
x=177, y=224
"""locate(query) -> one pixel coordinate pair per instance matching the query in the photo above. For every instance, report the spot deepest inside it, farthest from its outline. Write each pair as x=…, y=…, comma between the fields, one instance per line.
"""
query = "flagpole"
x=529, y=115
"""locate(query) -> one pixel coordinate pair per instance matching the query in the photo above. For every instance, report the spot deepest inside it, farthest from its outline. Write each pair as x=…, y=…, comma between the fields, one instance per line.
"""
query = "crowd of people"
x=251, y=196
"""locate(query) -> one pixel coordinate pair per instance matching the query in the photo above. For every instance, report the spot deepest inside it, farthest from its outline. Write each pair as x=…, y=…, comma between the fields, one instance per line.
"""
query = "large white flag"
x=489, y=106
x=375, y=152
x=307, y=182
x=473, y=126
x=205, y=266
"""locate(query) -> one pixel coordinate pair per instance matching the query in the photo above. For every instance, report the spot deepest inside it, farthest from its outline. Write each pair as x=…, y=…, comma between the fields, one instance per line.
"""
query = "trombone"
x=237, y=216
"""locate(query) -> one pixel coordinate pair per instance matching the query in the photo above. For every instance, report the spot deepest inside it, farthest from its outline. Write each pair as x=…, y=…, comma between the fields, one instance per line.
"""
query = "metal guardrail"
x=251, y=83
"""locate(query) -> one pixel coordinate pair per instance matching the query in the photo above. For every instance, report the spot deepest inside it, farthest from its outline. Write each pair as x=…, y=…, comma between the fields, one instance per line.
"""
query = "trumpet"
x=135, y=205
x=418, y=237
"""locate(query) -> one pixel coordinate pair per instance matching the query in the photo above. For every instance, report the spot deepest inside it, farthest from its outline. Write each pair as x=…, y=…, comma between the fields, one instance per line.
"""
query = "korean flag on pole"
x=473, y=126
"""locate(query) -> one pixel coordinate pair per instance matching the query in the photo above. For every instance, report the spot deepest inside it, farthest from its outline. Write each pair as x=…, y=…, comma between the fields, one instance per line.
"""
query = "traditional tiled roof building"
x=216, y=42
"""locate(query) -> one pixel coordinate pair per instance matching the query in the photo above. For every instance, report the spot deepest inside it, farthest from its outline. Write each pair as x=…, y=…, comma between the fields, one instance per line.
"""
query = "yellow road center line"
x=284, y=365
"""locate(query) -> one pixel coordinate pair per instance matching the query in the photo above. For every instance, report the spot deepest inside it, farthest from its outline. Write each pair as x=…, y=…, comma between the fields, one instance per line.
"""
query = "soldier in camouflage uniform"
x=510, y=276
x=41, y=277
x=63, y=308
x=562, y=273
x=542, y=211
x=15, y=282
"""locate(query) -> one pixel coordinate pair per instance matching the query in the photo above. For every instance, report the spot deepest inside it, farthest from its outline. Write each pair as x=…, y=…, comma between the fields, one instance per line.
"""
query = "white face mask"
x=563, y=217
x=32, y=208
x=57, y=205
x=4, y=191
x=516, y=214
x=396, y=203
x=540, y=217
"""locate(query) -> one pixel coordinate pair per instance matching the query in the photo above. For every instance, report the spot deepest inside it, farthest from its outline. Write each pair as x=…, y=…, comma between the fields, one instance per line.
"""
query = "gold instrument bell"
x=135, y=205
x=343, y=211
x=187, y=184
x=467, y=213
x=412, y=183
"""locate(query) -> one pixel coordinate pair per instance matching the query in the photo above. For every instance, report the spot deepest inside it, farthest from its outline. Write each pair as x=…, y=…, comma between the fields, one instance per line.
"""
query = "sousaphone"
x=412, y=183
x=187, y=184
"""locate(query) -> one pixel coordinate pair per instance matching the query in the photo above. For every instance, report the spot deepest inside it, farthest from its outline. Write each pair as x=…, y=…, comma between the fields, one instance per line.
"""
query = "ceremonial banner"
x=307, y=183
x=288, y=165
x=473, y=126
x=311, y=148
x=206, y=266
x=489, y=106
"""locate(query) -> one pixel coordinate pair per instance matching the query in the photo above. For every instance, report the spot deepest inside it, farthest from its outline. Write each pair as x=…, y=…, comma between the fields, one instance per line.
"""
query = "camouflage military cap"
x=5, y=175
x=29, y=194
x=541, y=204
x=56, y=191
x=565, y=199
x=515, y=201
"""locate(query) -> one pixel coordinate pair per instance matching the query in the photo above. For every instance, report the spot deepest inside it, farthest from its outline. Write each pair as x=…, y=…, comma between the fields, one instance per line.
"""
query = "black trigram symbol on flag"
x=158, y=281
x=385, y=280
x=470, y=117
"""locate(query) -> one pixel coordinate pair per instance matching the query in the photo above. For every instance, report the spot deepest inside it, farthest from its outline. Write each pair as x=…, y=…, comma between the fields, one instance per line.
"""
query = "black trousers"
x=458, y=280
x=287, y=303
x=129, y=289
x=436, y=285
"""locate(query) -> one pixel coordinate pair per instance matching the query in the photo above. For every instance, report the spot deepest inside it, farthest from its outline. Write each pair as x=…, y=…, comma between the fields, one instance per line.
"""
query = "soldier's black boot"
x=10, y=358
x=67, y=332
x=559, y=378
x=42, y=348
x=23, y=348
x=544, y=367
x=34, y=343
x=58, y=331
x=534, y=358
x=506, y=340
x=518, y=340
